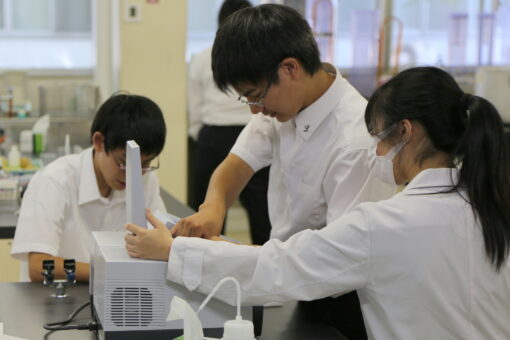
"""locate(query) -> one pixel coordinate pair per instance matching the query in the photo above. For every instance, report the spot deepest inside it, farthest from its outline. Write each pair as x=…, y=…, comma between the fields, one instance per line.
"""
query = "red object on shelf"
x=152, y=1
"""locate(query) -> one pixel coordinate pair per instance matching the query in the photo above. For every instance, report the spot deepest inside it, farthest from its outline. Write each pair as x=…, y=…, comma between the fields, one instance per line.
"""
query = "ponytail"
x=485, y=175
x=466, y=127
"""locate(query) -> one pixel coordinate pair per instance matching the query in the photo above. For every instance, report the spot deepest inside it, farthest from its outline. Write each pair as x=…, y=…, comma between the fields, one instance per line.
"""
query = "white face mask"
x=382, y=166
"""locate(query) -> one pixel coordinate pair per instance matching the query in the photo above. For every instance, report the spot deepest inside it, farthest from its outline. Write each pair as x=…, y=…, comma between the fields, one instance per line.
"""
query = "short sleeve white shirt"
x=206, y=103
x=319, y=163
x=62, y=206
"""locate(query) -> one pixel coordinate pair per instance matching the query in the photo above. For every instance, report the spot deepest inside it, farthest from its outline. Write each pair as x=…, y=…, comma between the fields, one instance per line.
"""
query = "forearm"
x=227, y=182
x=225, y=185
x=309, y=265
x=292, y=270
x=35, y=268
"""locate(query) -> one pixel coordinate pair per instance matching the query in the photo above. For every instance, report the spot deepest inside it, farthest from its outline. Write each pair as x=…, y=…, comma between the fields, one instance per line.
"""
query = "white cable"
x=222, y=281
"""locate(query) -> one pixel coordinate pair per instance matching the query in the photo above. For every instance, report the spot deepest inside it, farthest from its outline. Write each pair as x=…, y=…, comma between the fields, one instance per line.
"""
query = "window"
x=434, y=32
x=426, y=24
x=202, y=17
x=450, y=33
x=202, y=24
x=46, y=34
x=342, y=18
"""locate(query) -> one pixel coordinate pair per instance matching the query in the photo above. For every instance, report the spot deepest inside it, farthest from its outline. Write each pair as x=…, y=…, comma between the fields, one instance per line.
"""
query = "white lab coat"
x=417, y=261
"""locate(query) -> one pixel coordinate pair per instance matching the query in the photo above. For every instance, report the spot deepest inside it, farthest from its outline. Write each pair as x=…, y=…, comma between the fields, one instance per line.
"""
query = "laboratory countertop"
x=25, y=307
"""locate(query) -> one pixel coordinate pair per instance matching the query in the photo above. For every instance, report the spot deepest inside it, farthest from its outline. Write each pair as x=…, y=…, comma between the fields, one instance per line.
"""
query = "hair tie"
x=465, y=100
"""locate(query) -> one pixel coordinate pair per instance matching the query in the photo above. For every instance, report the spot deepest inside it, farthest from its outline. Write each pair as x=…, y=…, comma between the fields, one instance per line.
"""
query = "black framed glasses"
x=145, y=167
x=259, y=102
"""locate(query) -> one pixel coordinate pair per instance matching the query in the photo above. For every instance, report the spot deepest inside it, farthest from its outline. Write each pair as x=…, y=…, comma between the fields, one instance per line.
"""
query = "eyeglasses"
x=384, y=133
x=259, y=102
x=122, y=166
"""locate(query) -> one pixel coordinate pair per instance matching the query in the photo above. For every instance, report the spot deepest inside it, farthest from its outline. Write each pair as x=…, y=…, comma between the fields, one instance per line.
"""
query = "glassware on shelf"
x=64, y=99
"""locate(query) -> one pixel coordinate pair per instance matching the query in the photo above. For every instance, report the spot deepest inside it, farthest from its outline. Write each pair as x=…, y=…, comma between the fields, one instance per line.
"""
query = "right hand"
x=146, y=243
x=206, y=223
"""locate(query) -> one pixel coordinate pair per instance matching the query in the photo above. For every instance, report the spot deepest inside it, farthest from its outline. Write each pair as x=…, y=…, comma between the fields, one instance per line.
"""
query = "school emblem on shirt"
x=306, y=128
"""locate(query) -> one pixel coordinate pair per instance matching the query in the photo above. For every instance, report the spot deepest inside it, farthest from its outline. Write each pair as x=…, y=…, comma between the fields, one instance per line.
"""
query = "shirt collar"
x=432, y=181
x=308, y=120
x=88, y=190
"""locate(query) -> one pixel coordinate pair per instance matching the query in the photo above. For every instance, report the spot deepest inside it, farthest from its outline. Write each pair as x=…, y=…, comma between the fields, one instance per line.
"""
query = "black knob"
x=69, y=265
x=48, y=265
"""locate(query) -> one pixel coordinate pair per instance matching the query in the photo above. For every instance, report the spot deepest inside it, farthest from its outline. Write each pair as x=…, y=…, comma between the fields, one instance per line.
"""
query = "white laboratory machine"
x=131, y=297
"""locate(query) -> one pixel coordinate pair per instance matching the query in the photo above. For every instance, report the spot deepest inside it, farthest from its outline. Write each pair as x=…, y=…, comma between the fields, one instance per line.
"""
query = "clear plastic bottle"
x=238, y=329
x=14, y=157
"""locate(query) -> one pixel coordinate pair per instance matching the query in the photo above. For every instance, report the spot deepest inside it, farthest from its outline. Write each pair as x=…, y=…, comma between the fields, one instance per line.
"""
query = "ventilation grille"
x=131, y=306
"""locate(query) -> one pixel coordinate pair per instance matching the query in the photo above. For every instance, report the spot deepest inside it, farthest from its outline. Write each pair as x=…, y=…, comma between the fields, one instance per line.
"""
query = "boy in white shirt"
x=77, y=194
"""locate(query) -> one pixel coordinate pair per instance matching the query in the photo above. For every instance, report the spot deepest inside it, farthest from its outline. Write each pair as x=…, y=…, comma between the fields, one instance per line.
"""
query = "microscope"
x=59, y=285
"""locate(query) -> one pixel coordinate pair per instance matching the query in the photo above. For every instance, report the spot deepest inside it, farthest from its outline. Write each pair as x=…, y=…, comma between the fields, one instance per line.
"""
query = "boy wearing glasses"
x=307, y=124
x=77, y=194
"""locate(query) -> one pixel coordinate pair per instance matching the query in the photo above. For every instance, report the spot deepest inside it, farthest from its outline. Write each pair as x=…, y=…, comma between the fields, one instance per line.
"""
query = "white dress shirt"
x=319, y=164
x=62, y=206
x=417, y=261
x=207, y=104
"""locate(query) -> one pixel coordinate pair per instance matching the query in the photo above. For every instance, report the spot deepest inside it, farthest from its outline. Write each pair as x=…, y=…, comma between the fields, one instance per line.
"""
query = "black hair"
x=124, y=117
x=252, y=42
x=230, y=6
x=468, y=128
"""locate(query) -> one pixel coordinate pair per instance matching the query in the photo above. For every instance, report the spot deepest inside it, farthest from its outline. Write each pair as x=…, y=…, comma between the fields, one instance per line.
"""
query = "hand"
x=151, y=244
x=206, y=223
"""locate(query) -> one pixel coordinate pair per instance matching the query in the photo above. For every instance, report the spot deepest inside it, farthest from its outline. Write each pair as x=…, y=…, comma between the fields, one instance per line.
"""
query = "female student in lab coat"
x=429, y=263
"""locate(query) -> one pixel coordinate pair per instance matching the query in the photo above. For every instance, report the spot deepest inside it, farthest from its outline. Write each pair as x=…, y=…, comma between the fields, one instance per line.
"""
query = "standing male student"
x=216, y=120
x=77, y=194
x=308, y=125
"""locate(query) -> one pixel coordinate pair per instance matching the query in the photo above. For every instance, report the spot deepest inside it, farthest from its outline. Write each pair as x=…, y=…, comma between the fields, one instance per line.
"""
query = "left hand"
x=151, y=244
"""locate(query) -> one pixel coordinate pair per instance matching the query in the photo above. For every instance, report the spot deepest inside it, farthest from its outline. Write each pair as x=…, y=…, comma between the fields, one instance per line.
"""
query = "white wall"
x=152, y=63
